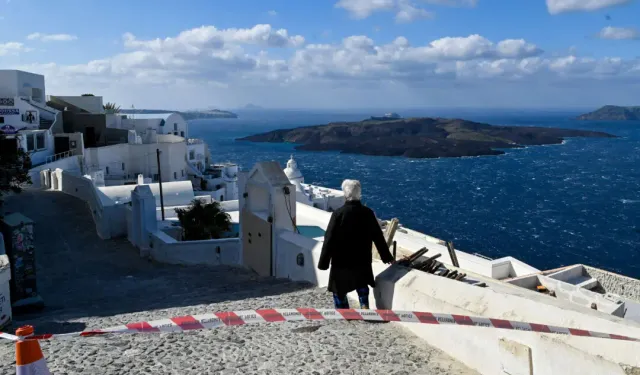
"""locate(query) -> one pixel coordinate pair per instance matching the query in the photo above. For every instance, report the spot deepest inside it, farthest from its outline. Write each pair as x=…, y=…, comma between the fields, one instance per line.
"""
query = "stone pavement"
x=90, y=283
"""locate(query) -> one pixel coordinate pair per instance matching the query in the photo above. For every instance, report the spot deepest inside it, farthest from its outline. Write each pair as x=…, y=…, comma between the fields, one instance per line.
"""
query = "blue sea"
x=549, y=206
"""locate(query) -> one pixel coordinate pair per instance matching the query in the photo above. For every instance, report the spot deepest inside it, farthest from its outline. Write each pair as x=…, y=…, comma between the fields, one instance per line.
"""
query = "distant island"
x=612, y=113
x=419, y=137
x=251, y=106
x=187, y=115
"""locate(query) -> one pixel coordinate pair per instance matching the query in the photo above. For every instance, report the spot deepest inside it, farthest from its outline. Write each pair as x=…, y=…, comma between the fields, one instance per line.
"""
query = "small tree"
x=203, y=221
x=14, y=167
x=111, y=108
x=88, y=95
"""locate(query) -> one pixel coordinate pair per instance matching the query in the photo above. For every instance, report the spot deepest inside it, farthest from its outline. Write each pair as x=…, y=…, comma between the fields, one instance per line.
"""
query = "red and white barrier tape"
x=233, y=318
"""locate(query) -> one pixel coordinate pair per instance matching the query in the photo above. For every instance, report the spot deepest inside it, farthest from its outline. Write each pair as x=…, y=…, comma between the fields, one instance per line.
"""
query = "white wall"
x=288, y=246
x=166, y=249
x=478, y=347
x=72, y=165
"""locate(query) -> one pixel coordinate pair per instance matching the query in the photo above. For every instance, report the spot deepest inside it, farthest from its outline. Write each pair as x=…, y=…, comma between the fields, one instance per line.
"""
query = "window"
x=40, y=141
x=175, y=133
x=123, y=166
x=192, y=154
x=182, y=134
x=182, y=172
x=175, y=175
x=1, y=120
x=107, y=169
x=175, y=126
x=30, y=142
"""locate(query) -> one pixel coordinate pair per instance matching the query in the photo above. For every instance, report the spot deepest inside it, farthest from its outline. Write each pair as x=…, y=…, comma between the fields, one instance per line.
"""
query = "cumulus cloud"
x=51, y=37
x=12, y=48
x=619, y=33
x=405, y=10
x=210, y=37
x=242, y=62
x=563, y=6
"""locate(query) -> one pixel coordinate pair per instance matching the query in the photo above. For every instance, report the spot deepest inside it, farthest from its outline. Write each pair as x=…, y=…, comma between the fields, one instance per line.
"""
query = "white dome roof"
x=292, y=171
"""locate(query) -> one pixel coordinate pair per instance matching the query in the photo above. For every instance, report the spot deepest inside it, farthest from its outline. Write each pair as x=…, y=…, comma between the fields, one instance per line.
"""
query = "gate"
x=256, y=243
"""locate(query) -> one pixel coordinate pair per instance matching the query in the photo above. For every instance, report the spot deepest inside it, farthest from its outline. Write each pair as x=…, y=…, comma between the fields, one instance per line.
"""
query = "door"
x=256, y=243
x=90, y=137
x=61, y=144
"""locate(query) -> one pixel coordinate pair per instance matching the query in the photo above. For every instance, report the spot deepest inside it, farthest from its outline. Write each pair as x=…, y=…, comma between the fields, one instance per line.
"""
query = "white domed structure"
x=293, y=173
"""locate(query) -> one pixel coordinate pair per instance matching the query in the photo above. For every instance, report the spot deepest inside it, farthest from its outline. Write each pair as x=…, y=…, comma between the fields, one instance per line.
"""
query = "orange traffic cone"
x=29, y=358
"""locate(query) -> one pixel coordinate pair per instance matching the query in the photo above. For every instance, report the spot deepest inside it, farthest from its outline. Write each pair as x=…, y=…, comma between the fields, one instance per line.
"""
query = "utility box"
x=19, y=245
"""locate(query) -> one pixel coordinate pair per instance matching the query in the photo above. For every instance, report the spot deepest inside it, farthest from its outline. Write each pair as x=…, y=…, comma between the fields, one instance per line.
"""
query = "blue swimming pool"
x=310, y=231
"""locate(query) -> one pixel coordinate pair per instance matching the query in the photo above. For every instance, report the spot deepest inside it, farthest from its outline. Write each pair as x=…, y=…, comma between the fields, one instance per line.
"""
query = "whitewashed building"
x=317, y=196
x=162, y=123
x=24, y=115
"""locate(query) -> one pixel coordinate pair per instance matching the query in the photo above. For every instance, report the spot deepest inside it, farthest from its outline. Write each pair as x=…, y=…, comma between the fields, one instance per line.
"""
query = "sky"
x=330, y=53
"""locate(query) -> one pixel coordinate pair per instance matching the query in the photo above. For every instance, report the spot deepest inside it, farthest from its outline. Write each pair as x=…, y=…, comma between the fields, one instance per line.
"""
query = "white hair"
x=352, y=190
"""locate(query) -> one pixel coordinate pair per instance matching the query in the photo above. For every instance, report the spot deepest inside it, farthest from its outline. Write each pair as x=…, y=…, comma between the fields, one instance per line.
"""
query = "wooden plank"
x=452, y=254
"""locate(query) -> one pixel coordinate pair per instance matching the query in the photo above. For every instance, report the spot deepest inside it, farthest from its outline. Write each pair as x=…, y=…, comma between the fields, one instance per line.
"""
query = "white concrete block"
x=515, y=358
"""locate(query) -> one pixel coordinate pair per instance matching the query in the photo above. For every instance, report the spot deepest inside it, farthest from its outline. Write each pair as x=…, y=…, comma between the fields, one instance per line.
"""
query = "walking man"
x=347, y=247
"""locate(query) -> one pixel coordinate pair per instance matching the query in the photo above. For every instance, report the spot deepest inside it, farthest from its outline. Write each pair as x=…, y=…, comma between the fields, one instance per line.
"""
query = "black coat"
x=347, y=246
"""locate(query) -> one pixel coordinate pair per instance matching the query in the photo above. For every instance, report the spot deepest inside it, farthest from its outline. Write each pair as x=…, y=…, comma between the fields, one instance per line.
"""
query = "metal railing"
x=56, y=157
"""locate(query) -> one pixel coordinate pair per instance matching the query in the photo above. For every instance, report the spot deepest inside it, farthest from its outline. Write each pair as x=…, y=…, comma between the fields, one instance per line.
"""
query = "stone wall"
x=616, y=284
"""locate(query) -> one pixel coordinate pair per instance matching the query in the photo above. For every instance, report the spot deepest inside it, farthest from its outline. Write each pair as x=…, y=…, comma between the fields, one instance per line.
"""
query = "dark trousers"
x=342, y=302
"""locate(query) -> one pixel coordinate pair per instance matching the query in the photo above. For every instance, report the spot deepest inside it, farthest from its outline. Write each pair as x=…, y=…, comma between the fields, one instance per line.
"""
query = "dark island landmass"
x=612, y=113
x=187, y=115
x=419, y=137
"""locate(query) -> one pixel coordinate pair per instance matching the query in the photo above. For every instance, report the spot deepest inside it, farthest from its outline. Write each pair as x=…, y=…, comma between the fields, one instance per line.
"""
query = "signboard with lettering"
x=7, y=102
x=8, y=129
x=9, y=111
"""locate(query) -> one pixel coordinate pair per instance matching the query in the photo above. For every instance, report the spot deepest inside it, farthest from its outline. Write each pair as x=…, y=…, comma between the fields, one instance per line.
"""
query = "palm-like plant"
x=203, y=221
x=111, y=108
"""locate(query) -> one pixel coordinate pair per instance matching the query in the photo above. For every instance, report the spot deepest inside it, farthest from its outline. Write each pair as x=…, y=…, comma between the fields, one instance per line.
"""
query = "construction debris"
x=430, y=265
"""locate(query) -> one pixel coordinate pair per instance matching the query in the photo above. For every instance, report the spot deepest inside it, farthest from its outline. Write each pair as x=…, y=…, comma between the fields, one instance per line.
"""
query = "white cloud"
x=210, y=37
x=409, y=13
x=272, y=13
x=52, y=37
x=405, y=10
x=12, y=48
x=235, y=66
x=619, y=33
x=563, y=6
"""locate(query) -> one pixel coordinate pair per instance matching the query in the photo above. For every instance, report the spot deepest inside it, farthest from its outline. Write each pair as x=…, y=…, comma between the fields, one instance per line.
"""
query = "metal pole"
x=160, y=182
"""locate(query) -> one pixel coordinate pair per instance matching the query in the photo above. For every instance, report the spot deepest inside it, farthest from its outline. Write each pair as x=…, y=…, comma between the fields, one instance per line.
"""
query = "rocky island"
x=613, y=113
x=187, y=115
x=419, y=137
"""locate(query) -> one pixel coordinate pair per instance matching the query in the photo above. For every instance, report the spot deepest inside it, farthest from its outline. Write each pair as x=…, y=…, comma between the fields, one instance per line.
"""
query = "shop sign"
x=9, y=111
x=8, y=129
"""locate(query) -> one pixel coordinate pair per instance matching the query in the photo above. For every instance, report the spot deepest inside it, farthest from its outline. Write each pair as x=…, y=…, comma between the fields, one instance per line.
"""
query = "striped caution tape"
x=7, y=336
x=234, y=318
